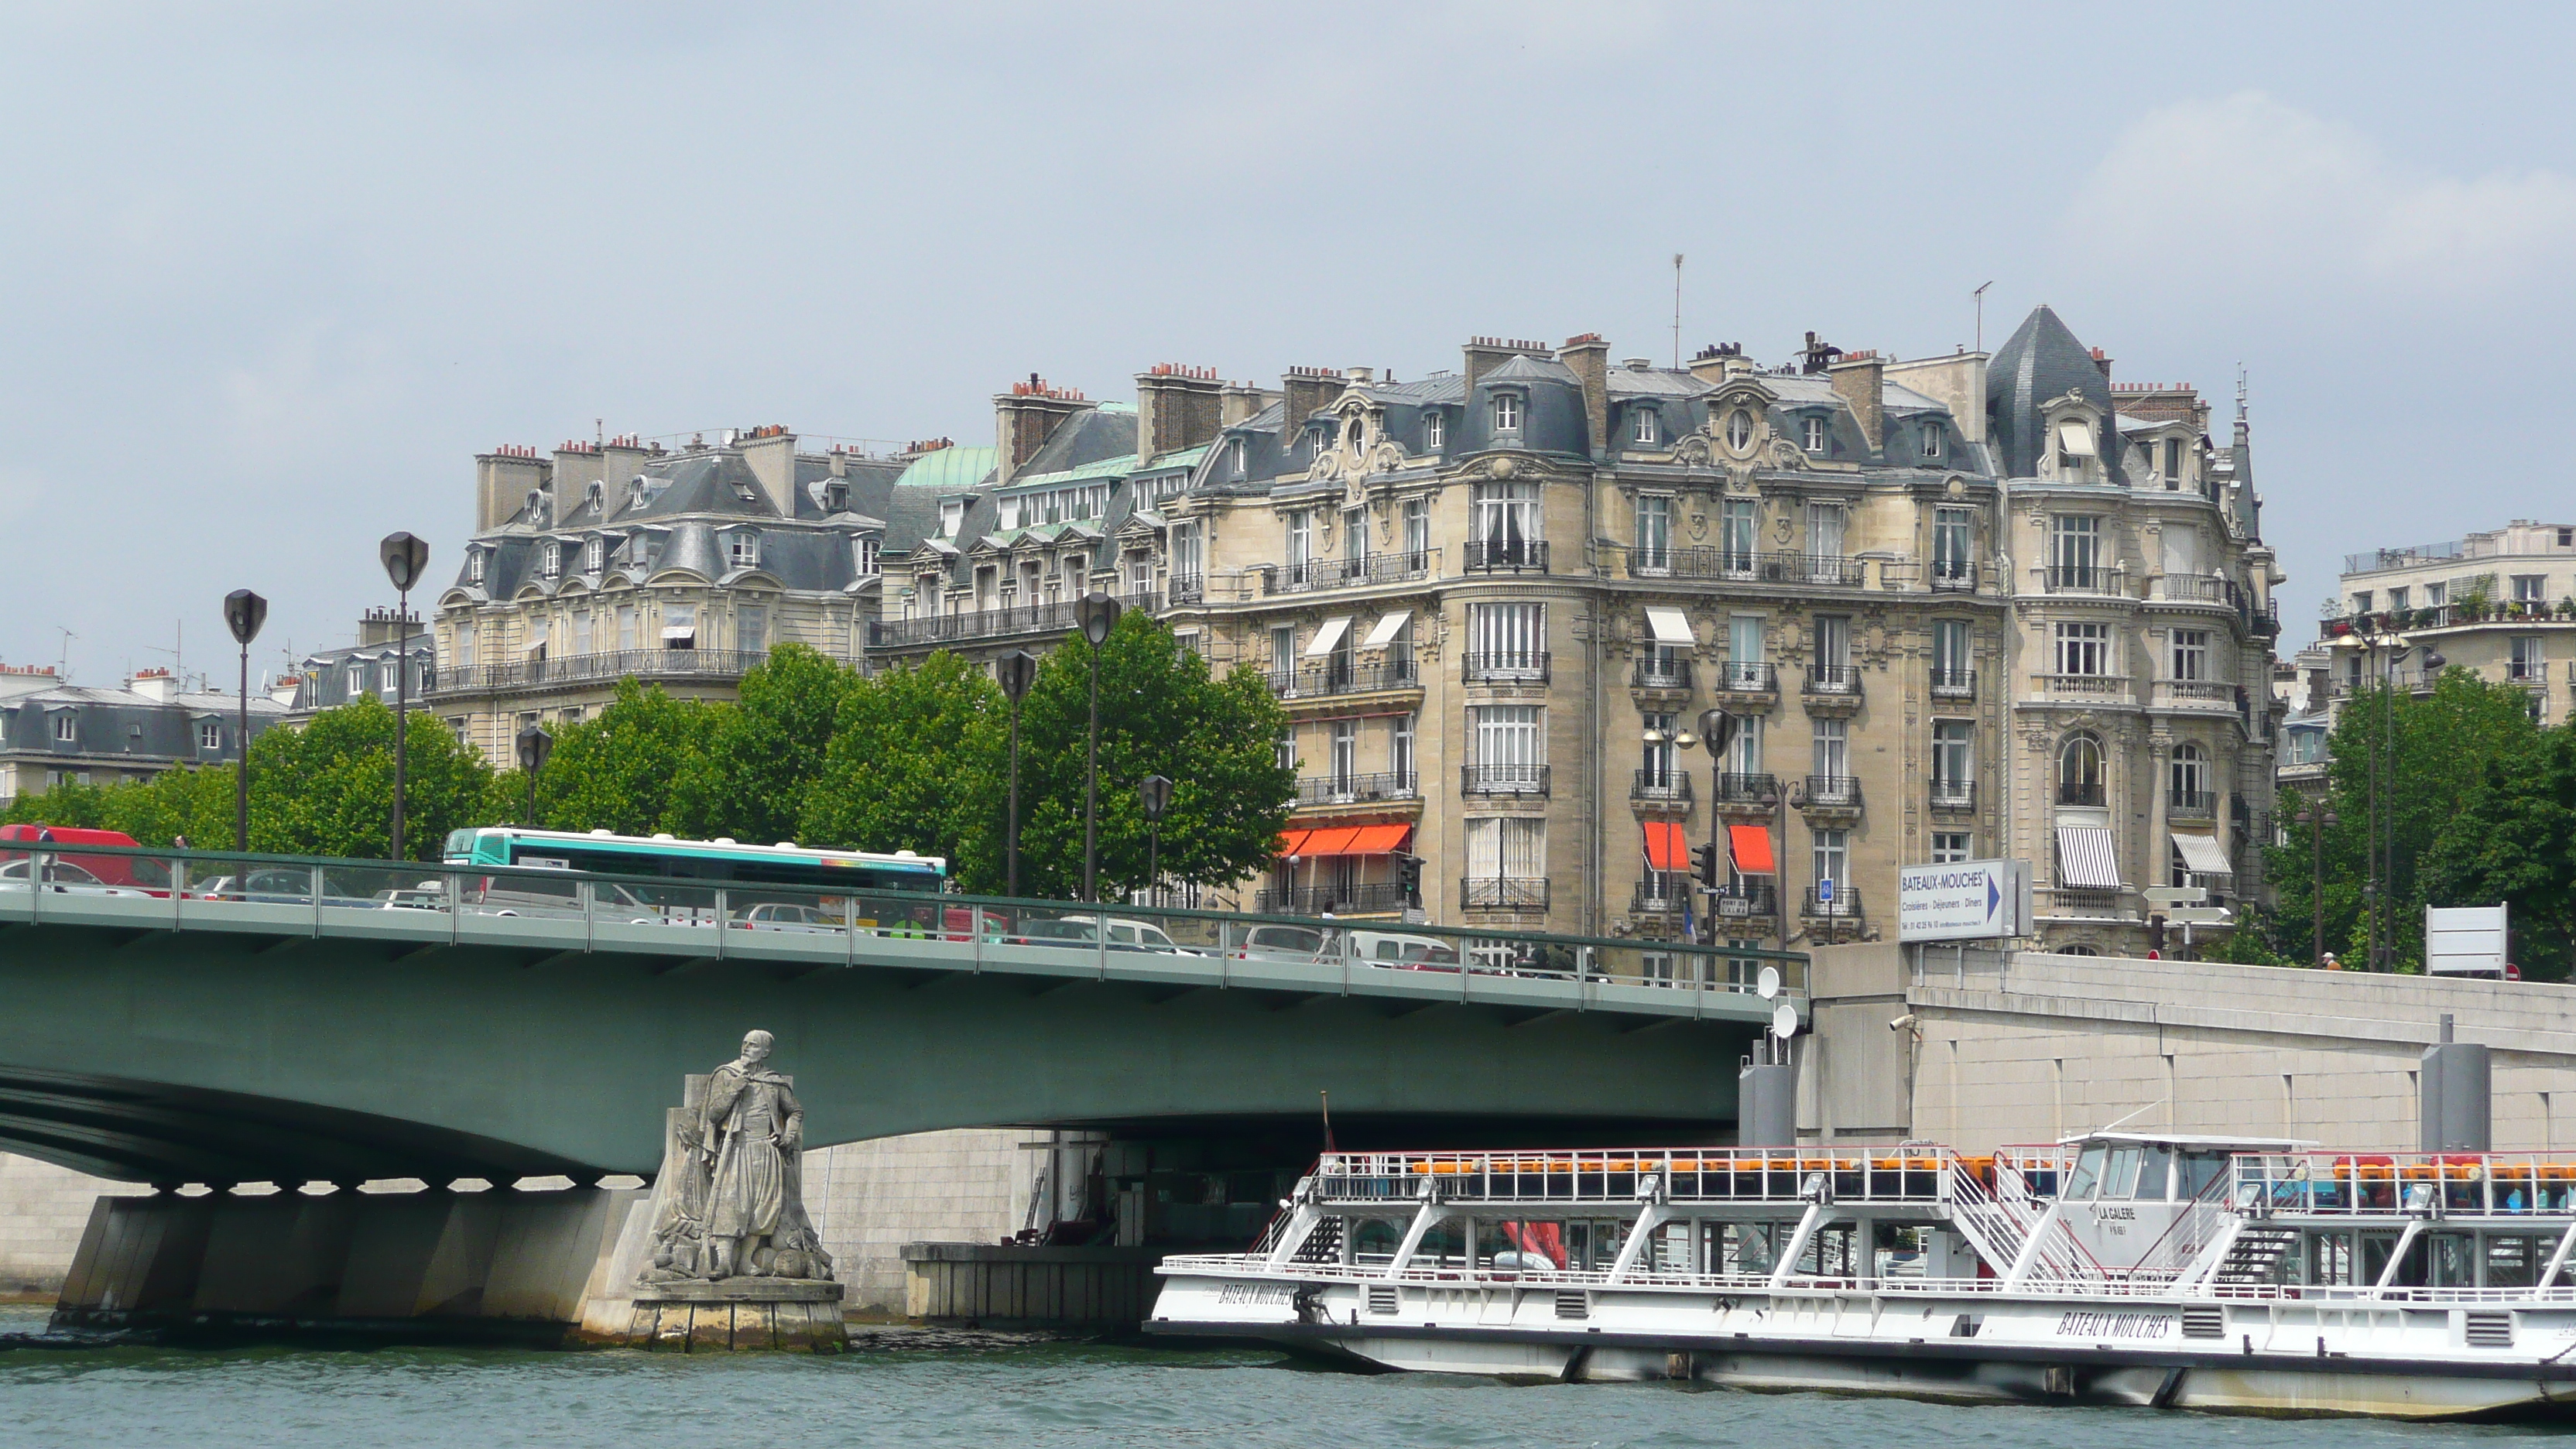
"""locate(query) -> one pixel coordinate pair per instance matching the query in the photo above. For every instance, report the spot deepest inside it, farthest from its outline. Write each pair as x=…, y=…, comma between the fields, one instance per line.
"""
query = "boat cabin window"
x=2330, y=1261
x=2515, y=1261
x=2120, y=1172
x=2200, y=1170
x=2087, y=1174
x=1374, y=1240
x=2155, y=1173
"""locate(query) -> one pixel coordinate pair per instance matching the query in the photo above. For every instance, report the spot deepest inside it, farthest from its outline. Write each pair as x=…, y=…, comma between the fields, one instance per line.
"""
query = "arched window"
x=2076, y=951
x=1739, y=430
x=2079, y=771
x=1358, y=433
x=2188, y=778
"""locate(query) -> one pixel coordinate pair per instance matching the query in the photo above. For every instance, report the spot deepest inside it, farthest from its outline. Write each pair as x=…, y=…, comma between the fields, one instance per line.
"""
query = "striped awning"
x=2202, y=854
x=2085, y=861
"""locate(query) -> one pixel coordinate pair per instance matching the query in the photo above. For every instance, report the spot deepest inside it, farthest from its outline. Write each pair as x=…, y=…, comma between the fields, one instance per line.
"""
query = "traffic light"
x=2156, y=932
x=1408, y=873
x=1704, y=864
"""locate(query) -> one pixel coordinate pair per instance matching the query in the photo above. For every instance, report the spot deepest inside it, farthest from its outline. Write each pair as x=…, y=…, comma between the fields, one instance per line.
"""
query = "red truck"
x=109, y=870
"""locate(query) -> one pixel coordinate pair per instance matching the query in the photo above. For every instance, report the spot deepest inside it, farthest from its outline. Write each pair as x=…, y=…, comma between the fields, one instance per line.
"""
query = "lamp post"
x=1154, y=793
x=1016, y=671
x=244, y=612
x=534, y=745
x=404, y=555
x=2319, y=818
x=1716, y=732
x=1779, y=875
x=1099, y=616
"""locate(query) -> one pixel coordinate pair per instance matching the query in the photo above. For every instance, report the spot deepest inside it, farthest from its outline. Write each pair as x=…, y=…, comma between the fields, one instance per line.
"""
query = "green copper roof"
x=950, y=470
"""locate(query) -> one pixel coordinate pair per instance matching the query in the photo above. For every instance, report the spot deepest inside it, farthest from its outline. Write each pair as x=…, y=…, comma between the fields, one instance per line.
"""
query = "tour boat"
x=2226, y=1274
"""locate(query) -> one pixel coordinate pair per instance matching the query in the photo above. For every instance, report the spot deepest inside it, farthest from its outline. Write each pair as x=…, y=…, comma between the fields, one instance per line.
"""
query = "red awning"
x=1344, y=840
x=1329, y=841
x=1293, y=842
x=1379, y=839
x=1666, y=847
x=1752, y=849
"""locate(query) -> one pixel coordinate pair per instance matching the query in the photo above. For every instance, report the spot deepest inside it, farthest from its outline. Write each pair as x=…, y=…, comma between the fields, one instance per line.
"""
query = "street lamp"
x=244, y=612
x=1016, y=671
x=1779, y=876
x=1099, y=614
x=2319, y=819
x=534, y=745
x=1154, y=793
x=1716, y=731
x=405, y=556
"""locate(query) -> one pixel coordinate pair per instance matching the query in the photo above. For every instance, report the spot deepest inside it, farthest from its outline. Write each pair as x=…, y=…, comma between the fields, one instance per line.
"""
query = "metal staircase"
x=2253, y=1253
x=2003, y=1233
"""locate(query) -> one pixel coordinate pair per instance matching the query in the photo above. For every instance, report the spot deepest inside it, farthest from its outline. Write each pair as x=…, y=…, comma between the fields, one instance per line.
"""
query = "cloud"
x=2247, y=193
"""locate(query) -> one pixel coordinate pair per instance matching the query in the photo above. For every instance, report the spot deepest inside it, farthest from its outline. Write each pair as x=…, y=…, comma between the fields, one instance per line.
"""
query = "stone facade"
x=43, y=1210
x=868, y=1199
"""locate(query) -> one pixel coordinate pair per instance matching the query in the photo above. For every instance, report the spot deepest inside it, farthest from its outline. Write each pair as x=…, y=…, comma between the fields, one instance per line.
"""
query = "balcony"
x=1661, y=674
x=1667, y=787
x=1187, y=589
x=1954, y=684
x=1324, y=679
x=1737, y=793
x=1337, y=573
x=2196, y=694
x=1745, y=900
x=1954, y=794
x=2191, y=803
x=1832, y=688
x=606, y=668
x=1530, y=780
x=1382, y=899
x=2191, y=589
x=2108, y=581
x=1503, y=893
x=2084, y=686
x=1739, y=678
x=1518, y=666
x=1662, y=892
x=1728, y=565
x=995, y=623
x=1954, y=576
x=1507, y=556
x=1359, y=789
x=2079, y=792
x=1841, y=916
x=1830, y=795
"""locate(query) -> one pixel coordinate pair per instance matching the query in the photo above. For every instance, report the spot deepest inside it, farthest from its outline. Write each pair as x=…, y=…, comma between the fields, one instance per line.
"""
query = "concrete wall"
x=868, y=1199
x=43, y=1209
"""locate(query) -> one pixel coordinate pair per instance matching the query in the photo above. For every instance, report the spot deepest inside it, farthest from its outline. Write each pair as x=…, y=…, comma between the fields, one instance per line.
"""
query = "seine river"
x=1025, y=1397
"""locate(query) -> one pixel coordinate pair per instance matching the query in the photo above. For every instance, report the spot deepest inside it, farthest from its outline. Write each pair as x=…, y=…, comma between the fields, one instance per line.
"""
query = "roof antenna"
x=1980, y=295
x=63, y=661
x=1677, y=311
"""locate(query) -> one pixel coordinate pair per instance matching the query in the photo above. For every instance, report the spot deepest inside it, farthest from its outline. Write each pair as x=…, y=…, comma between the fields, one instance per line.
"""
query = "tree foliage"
x=900, y=770
x=614, y=770
x=750, y=778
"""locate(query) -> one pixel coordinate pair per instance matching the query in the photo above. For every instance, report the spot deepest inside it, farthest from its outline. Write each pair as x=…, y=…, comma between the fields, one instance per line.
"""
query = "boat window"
x=2120, y=1174
x=1746, y=1248
x=2514, y=1261
x=2199, y=1170
x=2452, y=1262
x=2375, y=1251
x=2330, y=1259
x=2155, y=1171
x=1444, y=1245
x=2087, y=1174
x=1520, y=1246
x=1594, y=1245
x=1374, y=1240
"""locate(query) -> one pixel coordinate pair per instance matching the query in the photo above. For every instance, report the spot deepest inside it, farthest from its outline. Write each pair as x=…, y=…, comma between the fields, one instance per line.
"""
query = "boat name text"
x=2114, y=1325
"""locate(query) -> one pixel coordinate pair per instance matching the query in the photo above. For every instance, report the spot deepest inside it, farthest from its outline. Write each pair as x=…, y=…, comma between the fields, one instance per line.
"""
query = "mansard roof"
x=2040, y=363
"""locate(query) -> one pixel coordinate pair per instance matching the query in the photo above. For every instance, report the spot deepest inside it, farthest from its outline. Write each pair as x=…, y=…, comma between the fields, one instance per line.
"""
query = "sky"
x=271, y=275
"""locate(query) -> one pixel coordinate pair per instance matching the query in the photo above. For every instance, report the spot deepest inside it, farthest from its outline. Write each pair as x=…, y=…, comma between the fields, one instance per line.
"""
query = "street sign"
x=1824, y=890
x=2464, y=940
x=1969, y=900
x=2199, y=915
x=2175, y=895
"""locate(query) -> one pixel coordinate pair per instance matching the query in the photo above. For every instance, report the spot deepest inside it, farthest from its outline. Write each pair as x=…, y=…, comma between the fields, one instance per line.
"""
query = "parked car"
x=63, y=877
x=1301, y=945
x=1412, y=953
x=786, y=916
x=429, y=895
x=150, y=876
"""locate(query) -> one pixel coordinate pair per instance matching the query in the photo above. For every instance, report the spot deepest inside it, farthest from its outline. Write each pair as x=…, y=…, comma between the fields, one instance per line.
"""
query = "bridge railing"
x=427, y=902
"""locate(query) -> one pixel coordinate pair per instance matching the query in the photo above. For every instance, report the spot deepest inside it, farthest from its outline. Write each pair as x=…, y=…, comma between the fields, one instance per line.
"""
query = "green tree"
x=1161, y=713
x=903, y=768
x=328, y=788
x=763, y=752
x=2513, y=839
x=2449, y=747
x=614, y=770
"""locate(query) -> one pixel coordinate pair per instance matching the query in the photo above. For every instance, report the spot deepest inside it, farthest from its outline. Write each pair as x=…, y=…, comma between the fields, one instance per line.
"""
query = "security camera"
x=1902, y=1023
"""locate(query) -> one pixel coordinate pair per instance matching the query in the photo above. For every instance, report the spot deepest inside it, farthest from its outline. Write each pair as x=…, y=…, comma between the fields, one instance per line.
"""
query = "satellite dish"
x=1768, y=983
x=1784, y=1021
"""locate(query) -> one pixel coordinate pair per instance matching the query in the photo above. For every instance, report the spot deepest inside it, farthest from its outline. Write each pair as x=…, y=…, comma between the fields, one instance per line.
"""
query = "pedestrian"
x=2331, y=964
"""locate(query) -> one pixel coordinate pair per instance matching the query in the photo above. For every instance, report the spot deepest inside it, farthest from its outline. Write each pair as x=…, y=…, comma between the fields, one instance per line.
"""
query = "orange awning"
x=1752, y=849
x=1666, y=847
x=1329, y=841
x=1293, y=842
x=1380, y=839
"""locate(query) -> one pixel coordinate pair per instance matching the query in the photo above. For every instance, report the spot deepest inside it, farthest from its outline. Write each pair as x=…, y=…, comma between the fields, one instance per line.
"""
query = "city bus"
x=690, y=865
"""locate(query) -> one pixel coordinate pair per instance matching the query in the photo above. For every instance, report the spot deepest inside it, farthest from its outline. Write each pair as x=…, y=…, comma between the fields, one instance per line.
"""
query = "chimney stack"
x=1589, y=357
x=1860, y=379
x=1176, y=407
x=1025, y=417
x=1483, y=354
x=1719, y=361
x=1237, y=402
x=770, y=453
x=502, y=479
x=1308, y=391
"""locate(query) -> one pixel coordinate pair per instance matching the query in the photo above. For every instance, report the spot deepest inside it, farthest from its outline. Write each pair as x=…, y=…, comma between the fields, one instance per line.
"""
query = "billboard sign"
x=1967, y=900
x=2464, y=940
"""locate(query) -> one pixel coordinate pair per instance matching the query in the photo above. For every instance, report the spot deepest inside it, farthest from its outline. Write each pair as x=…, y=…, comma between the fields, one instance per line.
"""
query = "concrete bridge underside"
x=184, y=1056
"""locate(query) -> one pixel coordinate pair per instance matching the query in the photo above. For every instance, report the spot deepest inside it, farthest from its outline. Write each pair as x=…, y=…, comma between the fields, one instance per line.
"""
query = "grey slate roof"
x=2041, y=362
x=123, y=724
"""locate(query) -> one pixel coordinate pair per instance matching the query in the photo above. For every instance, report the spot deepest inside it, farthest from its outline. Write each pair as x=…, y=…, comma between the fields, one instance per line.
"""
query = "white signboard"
x=2464, y=940
x=1969, y=900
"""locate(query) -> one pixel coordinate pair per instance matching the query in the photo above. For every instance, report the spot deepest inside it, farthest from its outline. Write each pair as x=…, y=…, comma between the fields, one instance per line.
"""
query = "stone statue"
x=732, y=1199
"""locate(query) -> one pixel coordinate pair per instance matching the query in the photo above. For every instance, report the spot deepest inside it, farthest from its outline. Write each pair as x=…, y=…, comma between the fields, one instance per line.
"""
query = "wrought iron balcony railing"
x=1834, y=679
x=2079, y=792
x=1335, y=573
x=2191, y=802
x=1845, y=904
x=1831, y=792
x=1730, y=565
x=605, y=667
x=1954, y=794
x=1502, y=779
x=1503, y=892
x=1662, y=891
x=1517, y=666
x=1379, y=898
x=1506, y=556
x=1737, y=676
x=1660, y=674
x=1359, y=789
x=1747, y=789
x=1340, y=676
x=1743, y=900
x=1954, y=683
x=1665, y=783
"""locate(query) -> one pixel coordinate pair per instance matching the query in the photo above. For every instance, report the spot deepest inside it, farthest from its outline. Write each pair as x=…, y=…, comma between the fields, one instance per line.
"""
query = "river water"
x=1036, y=1396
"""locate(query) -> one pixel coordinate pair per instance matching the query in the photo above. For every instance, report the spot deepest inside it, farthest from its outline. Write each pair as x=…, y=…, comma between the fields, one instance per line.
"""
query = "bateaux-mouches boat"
x=2213, y=1273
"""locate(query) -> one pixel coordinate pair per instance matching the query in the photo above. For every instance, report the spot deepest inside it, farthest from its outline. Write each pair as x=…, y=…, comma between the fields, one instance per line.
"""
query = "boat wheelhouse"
x=2219, y=1273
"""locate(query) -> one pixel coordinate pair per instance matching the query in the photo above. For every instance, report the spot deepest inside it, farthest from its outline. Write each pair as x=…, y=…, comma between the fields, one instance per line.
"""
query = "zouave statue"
x=736, y=1208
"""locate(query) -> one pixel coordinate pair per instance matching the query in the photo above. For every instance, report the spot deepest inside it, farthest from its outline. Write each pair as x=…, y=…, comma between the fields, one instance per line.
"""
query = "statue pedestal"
x=738, y=1314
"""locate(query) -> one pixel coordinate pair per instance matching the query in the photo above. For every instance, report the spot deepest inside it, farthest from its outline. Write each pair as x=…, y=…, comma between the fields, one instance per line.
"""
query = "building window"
x=66, y=727
x=1507, y=412
x=679, y=626
x=1644, y=431
x=1833, y=649
x=1744, y=654
x=2079, y=771
x=1513, y=850
x=1287, y=751
x=2190, y=654
x=751, y=629
x=2074, y=551
x=465, y=644
x=1185, y=551
x=1319, y=441
x=1739, y=430
x=1952, y=534
x=1433, y=430
x=1833, y=750
x=1506, y=638
x=1826, y=526
x=2397, y=598
x=2526, y=664
x=743, y=549
x=1655, y=768
x=1654, y=534
x=2436, y=595
x=1511, y=744
x=1505, y=518
x=474, y=566
x=1736, y=536
x=1952, y=763
x=2361, y=602
x=2084, y=649
x=1355, y=539
x=1399, y=750
x=1744, y=757
x=210, y=734
x=1345, y=753
x=1949, y=847
x=870, y=563
x=2527, y=588
x=1951, y=660
x=1932, y=441
x=626, y=624
x=1301, y=545
x=2173, y=462
x=550, y=560
x=2188, y=778
x=1832, y=860
x=1811, y=434
x=582, y=642
x=952, y=517
x=1417, y=533
x=593, y=552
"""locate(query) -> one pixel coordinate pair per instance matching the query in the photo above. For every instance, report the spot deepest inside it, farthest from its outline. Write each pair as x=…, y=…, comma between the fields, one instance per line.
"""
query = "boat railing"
x=2200, y=1224
x=2404, y=1184
x=1898, y=1174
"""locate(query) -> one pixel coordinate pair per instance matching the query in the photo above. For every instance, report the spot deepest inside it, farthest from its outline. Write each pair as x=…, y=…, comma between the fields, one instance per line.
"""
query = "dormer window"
x=2074, y=448
x=1811, y=434
x=1644, y=430
x=474, y=566
x=66, y=727
x=1739, y=430
x=210, y=734
x=592, y=552
x=1931, y=440
x=1358, y=434
x=1507, y=412
x=1234, y=457
x=743, y=550
x=836, y=497
x=1433, y=429
x=867, y=557
x=550, y=561
x=1321, y=442
x=635, y=491
x=952, y=517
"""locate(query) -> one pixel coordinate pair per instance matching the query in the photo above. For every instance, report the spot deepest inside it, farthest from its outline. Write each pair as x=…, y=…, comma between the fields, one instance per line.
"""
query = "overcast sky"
x=270, y=276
